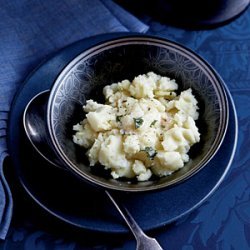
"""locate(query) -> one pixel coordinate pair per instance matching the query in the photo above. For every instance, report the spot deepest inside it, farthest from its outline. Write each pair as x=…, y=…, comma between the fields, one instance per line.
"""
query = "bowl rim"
x=146, y=40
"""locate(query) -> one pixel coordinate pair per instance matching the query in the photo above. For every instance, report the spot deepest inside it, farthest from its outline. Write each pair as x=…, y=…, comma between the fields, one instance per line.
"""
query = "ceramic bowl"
x=124, y=58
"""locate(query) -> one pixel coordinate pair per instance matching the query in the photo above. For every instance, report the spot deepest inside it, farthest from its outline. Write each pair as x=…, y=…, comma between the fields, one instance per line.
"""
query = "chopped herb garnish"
x=118, y=118
x=151, y=153
x=122, y=132
x=153, y=123
x=138, y=122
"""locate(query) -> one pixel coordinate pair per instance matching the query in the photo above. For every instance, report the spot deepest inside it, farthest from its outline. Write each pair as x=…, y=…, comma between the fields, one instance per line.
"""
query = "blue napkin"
x=30, y=31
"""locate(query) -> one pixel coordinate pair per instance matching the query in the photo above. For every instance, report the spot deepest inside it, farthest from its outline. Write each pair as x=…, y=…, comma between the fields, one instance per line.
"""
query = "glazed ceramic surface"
x=124, y=58
x=71, y=201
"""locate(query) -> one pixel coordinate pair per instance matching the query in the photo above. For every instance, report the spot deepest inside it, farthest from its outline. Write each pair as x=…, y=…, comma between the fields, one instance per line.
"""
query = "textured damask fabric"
x=223, y=221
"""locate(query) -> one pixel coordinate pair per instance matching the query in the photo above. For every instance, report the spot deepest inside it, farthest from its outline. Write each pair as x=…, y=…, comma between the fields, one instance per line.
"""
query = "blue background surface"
x=223, y=221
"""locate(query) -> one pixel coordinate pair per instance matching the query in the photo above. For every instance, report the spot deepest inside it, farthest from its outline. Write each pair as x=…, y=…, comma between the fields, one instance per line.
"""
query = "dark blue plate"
x=74, y=202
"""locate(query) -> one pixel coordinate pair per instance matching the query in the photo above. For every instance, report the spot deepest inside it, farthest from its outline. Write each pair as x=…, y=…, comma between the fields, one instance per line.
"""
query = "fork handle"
x=144, y=242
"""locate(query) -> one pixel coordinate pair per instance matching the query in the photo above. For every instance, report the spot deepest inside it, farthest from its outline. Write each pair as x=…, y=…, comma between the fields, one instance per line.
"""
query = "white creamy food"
x=144, y=127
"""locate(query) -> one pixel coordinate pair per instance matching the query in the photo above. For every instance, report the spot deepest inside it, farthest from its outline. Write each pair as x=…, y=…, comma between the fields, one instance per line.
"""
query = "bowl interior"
x=125, y=58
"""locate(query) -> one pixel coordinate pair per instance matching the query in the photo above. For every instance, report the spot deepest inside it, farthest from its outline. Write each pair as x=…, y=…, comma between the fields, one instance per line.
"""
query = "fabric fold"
x=32, y=30
x=6, y=201
x=129, y=21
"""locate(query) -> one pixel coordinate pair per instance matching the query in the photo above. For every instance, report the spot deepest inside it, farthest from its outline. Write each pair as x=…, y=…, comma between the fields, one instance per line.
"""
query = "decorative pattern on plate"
x=85, y=77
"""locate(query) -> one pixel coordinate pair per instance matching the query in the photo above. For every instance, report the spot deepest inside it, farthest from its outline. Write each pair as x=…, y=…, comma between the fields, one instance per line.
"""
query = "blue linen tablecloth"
x=31, y=30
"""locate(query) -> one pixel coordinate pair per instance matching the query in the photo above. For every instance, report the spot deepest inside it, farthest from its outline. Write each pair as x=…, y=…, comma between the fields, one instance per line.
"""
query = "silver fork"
x=143, y=242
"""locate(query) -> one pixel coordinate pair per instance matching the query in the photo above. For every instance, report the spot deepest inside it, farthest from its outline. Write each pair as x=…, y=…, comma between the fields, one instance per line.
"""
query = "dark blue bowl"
x=124, y=58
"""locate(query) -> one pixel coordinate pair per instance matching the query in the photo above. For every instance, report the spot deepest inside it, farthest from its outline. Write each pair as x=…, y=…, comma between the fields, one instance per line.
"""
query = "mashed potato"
x=144, y=128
